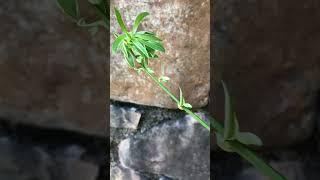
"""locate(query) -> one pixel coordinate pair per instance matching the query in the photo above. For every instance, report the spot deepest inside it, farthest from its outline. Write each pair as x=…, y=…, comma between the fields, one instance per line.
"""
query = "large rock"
x=179, y=149
x=52, y=73
x=25, y=162
x=291, y=170
x=120, y=173
x=267, y=53
x=124, y=117
x=185, y=30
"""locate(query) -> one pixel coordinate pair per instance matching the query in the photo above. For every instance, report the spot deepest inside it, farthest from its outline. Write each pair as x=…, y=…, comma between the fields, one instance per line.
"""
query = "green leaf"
x=138, y=20
x=164, y=79
x=145, y=32
x=180, y=97
x=124, y=51
x=148, y=37
x=141, y=48
x=230, y=124
x=248, y=138
x=70, y=7
x=117, y=42
x=127, y=56
x=224, y=145
x=120, y=21
x=187, y=105
x=131, y=60
x=154, y=45
x=139, y=59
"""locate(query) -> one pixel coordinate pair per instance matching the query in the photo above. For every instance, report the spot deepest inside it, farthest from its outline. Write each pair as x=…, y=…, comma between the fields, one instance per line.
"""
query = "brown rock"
x=184, y=28
x=51, y=72
x=267, y=53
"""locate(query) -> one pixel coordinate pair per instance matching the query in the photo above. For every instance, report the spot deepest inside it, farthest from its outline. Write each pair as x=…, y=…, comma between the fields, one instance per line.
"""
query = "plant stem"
x=195, y=116
x=237, y=147
x=257, y=162
x=247, y=154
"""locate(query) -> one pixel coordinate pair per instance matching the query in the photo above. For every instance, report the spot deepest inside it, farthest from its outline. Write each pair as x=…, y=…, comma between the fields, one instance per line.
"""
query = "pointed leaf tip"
x=138, y=20
x=120, y=20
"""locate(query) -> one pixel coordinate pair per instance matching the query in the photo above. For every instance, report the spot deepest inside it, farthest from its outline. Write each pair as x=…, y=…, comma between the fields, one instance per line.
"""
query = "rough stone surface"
x=124, y=117
x=185, y=30
x=267, y=53
x=25, y=162
x=291, y=170
x=179, y=149
x=52, y=72
x=120, y=173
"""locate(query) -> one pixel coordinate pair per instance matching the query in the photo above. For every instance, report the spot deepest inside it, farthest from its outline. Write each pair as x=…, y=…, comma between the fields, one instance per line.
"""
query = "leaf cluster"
x=71, y=8
x=137, y=47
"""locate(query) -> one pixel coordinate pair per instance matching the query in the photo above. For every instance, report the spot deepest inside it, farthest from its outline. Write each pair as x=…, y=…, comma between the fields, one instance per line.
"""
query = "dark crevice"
x=96, y=147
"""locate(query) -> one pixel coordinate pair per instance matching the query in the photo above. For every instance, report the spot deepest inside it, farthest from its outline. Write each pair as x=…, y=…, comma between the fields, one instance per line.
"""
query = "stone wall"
x=267, y=53
x=51, y=71
x=184, y=27
x=52, y=95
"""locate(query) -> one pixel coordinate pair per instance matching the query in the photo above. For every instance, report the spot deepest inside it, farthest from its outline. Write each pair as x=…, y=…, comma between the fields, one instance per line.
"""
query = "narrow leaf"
x=69, y=7
x=127, y=56
x=141, y=48
x=248, y=138
x=117, y=42
x=187, y=105
x=181, y=97
x=164, y=78
x=229, y=122
x=149, y=37
x=223, y=144
x=139, y=59
x=154, y=45
x=138, y=20
x=120, y=21
x=145, y=32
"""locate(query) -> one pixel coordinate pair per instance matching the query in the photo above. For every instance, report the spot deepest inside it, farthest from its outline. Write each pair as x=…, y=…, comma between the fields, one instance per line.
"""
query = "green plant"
x=71, y=8
x=140, y=47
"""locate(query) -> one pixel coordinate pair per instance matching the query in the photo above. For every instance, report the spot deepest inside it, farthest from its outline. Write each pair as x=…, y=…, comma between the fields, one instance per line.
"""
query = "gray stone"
x=25, y=162
x=74, y=169
x=124, y=117
x=184, y=27
x=291, y=170
x=266, y=52
x=120, y=173
x=179, y=149
x=53, y=72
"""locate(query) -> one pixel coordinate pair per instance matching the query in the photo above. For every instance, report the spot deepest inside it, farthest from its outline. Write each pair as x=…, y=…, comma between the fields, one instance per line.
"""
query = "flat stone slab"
x=179, y=149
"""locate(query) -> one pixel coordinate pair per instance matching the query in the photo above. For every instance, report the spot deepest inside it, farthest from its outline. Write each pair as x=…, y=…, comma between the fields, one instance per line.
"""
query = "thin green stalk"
x=195, y=116
x=237, y=147
x=247, y=154
x=162, y=86
x=257, y=162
